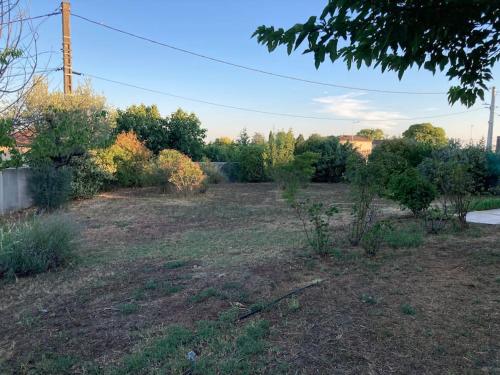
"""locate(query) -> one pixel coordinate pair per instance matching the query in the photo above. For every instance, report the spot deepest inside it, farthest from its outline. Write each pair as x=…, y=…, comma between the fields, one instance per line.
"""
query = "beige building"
x=362, y=144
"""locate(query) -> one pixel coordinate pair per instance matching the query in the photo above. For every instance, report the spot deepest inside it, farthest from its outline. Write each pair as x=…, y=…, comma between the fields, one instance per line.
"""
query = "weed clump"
x=36, y=246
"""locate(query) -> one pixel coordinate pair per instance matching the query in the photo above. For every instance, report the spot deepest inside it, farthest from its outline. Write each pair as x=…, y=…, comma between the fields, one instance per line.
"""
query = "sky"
x=223, y=29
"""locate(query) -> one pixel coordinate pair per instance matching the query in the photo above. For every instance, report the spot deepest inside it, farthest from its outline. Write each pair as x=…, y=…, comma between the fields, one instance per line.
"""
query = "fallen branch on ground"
x=272, y=303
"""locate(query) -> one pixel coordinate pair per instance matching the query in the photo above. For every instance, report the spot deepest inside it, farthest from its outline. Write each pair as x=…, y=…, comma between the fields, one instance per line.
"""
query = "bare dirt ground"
x=147, y=261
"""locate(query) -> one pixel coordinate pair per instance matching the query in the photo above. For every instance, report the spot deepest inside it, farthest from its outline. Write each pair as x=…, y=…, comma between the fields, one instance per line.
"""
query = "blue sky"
x=222, y=29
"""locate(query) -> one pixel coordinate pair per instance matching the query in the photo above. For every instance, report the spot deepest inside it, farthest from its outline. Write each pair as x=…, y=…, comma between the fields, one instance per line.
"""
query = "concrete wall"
x=14, y=194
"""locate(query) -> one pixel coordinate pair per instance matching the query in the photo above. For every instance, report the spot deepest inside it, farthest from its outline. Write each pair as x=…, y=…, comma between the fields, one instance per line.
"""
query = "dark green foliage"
x=407, y=309
x=404, y=237
x=185, y=134
x=87, y=177
x=214, y=176
x=412, y=190
x=296, y=173
x=459, y=36
x=231, y=171
x=180, y=131
x=487, y=203
x=332, y=160
x=426, y=133
x=36, y=246
x=251, y=163
x=62, y=135
x=147, y=123
x=221, y=151
x=50, y=187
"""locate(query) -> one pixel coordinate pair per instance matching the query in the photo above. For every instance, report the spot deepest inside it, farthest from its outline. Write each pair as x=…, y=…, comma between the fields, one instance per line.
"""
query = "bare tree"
x=18, y=55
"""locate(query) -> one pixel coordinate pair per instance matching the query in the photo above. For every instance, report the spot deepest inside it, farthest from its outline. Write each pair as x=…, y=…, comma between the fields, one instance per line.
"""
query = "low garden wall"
x=14, y=194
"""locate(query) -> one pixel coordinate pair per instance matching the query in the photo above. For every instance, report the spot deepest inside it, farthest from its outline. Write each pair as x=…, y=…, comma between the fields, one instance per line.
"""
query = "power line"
x=221, y=61
x=282, y=114
x=30, y=18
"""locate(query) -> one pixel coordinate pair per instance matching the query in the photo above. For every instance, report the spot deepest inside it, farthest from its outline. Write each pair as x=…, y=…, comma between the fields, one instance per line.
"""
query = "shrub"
x=127, y=160
x=412, y=190
x=299, y=171
x=332, y=161
x=373, y=238
x=315, y=218
x=179, y=171
x=87, y=177
x=435, y=220
x=406, y=237
x=36, y=246
x=251, y=163
x=214, y=176
x=364, y=178
x=50, y=187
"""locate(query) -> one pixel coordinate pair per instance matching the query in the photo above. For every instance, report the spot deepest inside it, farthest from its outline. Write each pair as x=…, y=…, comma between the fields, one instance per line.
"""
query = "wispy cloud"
x=350, y=106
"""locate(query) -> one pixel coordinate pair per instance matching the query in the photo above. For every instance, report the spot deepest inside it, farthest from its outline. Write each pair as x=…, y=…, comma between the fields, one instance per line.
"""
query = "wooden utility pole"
x=66, y=34
x=489, y=140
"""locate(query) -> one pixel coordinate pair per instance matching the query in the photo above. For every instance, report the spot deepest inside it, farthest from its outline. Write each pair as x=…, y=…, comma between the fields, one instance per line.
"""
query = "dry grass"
x=149, y=261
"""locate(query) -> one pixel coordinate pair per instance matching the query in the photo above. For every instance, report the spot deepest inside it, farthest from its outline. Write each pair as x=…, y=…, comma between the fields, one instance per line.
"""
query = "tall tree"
x=185, y=134
x=373, y=134
x=461, y=37
x=146, y=122
x=426, y=133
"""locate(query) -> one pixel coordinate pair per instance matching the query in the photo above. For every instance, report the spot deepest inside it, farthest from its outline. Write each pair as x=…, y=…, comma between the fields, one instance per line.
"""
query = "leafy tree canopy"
x=426, y=133
x=185, y=134
x=461, y=37
x=373, y=134
x=147, y=123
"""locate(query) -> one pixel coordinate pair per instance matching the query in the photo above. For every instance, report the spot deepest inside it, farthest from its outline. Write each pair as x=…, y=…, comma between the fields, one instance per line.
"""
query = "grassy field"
x=158, y=277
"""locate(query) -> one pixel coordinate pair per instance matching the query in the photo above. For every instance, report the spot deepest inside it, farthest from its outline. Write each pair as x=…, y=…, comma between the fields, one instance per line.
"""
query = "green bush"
x=251, y=163
x=214, y=176
x=50, y=187
x=298, y=172
x=36, y=246
x=373, y=238
x=403, y=237
x=333, y=156
x=87, y=177
x=412, y=190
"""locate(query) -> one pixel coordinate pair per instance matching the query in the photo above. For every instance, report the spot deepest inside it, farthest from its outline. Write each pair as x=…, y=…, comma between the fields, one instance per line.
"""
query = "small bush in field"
x=127, y=159
x=399, y=238
x=373, y=238
x=412, y=190
x=50, y=187
x=87, y=177
x=299, y=171
x=435, y=220
x=36, y=246
x=180, y=171
x=214, y=176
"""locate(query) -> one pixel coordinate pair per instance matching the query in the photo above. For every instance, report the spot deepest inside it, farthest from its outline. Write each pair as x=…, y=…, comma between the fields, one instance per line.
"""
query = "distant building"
x=363, y=145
